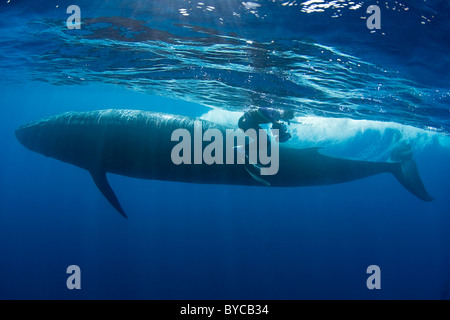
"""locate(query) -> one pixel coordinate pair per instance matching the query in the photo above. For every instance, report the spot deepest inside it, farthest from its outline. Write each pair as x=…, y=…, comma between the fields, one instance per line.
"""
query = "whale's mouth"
x=28, y=134
x=23, y=135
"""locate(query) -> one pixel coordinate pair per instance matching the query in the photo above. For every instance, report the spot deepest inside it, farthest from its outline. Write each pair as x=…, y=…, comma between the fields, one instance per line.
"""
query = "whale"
x=139, y=144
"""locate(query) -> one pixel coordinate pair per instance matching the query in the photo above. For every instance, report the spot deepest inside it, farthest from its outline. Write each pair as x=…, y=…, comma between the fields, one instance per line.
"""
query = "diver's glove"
x=283, y=134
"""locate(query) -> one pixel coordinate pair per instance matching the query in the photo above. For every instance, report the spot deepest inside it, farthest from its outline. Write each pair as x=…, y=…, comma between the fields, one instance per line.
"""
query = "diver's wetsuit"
x=253, y=118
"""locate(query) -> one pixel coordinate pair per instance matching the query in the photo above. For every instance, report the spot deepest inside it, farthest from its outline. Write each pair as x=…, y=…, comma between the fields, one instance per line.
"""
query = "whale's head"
x=54, y=137
x=35, y=136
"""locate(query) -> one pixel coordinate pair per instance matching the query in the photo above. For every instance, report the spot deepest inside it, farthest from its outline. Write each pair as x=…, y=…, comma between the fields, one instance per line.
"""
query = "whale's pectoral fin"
x=103, y=185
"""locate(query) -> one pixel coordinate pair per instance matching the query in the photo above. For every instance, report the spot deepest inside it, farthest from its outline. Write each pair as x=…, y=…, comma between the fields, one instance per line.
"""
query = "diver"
x=253, y=118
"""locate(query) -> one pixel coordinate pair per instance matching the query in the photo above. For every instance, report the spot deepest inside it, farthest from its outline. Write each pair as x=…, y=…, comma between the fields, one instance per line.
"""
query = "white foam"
x=364, y=139
x=222, y=116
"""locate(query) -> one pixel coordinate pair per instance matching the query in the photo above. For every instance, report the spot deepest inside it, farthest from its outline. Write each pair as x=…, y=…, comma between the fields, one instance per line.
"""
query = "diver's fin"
x=407, y=174
x=240, y=151
x=103, y=185
x=258, y=179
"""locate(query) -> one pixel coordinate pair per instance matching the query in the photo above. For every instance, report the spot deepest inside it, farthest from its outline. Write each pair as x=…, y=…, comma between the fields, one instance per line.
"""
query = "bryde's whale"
x=138, y=144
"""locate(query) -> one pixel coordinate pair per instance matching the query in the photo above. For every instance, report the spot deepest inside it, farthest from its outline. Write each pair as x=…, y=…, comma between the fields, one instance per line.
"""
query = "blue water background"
x=187, y=241
x=208, y=242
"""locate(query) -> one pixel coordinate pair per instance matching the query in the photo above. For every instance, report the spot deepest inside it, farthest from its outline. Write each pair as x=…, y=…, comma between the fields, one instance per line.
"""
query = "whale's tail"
x=407, y=174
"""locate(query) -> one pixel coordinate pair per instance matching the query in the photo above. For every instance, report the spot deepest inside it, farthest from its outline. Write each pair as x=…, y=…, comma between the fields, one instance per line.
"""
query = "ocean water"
x=357, y=93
